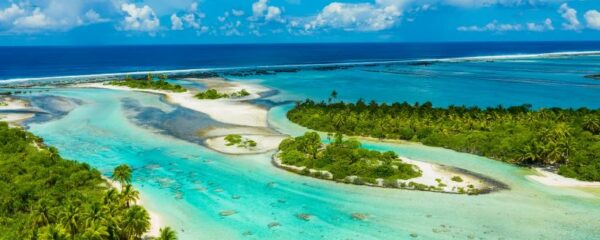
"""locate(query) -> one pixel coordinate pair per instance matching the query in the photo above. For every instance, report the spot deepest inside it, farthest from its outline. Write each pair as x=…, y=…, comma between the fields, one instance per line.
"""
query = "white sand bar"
x=233, y=111
x=552, y=179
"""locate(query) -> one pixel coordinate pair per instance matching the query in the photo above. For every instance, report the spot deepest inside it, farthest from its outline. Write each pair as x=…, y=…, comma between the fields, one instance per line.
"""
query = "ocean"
x=36, y=62
x=189, y=185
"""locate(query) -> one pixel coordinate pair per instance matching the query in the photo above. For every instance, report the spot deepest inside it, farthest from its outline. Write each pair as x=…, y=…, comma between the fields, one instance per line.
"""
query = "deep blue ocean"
x=33, y=62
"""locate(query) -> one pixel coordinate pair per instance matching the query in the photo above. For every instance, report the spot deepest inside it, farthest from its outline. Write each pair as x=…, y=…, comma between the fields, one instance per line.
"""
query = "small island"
x=238, y=141
x=150, y=82
x=346, y=161
x=566, y=139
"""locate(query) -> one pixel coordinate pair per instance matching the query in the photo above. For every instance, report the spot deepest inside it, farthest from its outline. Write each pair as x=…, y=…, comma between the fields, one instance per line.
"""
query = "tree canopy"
x=149, y=83
x=43, y=196
x=566, y=138
x=344, y=158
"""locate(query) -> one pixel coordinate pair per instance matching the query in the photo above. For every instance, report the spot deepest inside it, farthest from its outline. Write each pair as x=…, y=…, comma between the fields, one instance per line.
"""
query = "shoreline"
x=430, y=173
x=546, y=177
x=156, y=220
x=265, y=143
x=16, y=110
x=239, y=112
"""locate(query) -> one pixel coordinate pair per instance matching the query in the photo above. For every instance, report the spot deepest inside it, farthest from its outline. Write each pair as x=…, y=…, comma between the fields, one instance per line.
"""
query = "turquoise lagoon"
x=189, y=185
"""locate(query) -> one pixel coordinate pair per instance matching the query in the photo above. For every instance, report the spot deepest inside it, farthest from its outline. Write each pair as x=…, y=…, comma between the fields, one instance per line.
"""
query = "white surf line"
x=342, y=64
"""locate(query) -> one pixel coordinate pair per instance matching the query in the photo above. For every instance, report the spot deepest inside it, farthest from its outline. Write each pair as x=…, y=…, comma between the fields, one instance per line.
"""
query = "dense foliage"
x=43, y=196
x=344, y=158
x=214, y=94
x=149, y=83
x=568, y=138
x=237, y=140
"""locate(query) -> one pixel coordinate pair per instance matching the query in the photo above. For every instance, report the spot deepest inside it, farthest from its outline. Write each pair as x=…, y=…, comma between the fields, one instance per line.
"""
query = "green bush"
x=344, y=158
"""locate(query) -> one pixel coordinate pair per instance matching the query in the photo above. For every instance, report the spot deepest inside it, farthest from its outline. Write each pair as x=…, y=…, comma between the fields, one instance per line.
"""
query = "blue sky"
x=104, y=22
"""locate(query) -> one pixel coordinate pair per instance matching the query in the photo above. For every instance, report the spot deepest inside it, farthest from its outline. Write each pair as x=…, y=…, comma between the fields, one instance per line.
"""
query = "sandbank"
x=547, y=177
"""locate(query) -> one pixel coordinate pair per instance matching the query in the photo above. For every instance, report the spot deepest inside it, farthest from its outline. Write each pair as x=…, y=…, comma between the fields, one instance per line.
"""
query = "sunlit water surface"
x=189, y=185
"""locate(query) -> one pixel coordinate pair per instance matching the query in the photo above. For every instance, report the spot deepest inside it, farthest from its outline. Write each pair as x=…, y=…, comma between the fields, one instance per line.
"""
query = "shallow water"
x=190, y=185
x=542, y=82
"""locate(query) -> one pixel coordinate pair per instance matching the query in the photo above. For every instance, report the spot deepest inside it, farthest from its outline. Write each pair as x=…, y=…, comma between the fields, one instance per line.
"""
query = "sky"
x=122, y=22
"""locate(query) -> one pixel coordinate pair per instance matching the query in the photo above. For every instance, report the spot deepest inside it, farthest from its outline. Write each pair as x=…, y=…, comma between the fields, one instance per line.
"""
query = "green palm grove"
x=566, y=138
x=43, y=196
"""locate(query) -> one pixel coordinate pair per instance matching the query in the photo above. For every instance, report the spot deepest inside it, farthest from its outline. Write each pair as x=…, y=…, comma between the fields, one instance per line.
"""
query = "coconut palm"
x=95, y=214
x=591, y=124
x=70, y=218
x=96, y=231
x=129, y=195
x=167, y=234
x=54, y=232
x=136, y=222
x=40, y=215
x=122, y=174
x=111, y=196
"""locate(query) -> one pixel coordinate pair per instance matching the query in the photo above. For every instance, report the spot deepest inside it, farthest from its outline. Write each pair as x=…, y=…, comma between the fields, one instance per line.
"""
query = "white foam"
x=91, y=77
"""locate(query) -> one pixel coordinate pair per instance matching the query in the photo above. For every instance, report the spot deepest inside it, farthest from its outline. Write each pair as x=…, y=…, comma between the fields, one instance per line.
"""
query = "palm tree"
x=591, y=124
x=129, y=195
x=136, y=222
x=122, y=174
x=96, y=231
x=41, y=215
x=111, y=196
x=95, y=214
x=167, y=234
x=54, y=232
x=70, y=217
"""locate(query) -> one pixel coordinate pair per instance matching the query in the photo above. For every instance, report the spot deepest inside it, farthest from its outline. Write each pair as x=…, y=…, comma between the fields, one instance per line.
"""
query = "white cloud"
x=176, y=23
x=92, y=16
x=34, y=21
x=262, y=9
x=49, y=15
x=493, y=26
x=259, y=8
x=190, y=19
x=592, y=17
x=273, y=14
x=545, y=26
x=487, y=3
x=381, y=15
x=139, y=19
x=11, y=12
x=237, y=13
x=224, y=17
x=570, y=16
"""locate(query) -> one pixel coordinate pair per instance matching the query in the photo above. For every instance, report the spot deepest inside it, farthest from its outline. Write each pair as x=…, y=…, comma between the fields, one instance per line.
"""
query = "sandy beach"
x=265, y=143
x=156, y=222
x=230, y=110
x=549, y=178
x=14, y=111
x=431, y=175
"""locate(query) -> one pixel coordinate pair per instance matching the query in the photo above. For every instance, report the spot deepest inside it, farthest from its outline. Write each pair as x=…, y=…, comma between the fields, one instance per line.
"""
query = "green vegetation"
x=344, y=158
x=456, y=179
x=43, y=196
x=167, y=234
x=149, y=83
x=568, y=138
x=235, y=139
x=214, y=94
x=3, y=104
x=211, y=94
